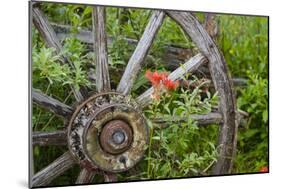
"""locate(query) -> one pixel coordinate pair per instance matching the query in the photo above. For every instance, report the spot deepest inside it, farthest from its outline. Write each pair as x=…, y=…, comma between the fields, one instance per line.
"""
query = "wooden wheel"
x=106, y=133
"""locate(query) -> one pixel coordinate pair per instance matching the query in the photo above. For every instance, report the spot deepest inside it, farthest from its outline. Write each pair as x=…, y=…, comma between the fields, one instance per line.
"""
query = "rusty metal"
x=123, y=160
x=107, y=131
x=116, y=136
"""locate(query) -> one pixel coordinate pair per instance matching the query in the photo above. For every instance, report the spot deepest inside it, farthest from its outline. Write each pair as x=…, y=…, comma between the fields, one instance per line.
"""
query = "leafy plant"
x=253, y=140
x=180, y=148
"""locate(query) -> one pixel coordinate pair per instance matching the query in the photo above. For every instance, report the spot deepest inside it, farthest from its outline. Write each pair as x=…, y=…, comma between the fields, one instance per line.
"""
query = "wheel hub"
x=116, y=136
x=108, y=131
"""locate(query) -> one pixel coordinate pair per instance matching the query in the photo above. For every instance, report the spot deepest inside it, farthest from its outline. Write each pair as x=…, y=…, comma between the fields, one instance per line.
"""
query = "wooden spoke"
x=172, y=57
x=110, y=177
x=51, y=104
x=140, y=52
x=57, y=138
x=85, y=176
x=201, y=119
x=41, y=23
x=222, y=83
x=46, y=31
x=191, y=65
x=100, y=45
x=55, y=169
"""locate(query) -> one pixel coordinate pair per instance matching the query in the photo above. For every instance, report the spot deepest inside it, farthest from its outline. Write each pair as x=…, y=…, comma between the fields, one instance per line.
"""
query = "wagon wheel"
x=107, y=132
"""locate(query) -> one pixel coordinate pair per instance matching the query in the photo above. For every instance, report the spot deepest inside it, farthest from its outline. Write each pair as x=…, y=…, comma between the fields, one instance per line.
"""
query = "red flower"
x=170, y=85
x=155, y=78
x=264, y=169
x=160, y=82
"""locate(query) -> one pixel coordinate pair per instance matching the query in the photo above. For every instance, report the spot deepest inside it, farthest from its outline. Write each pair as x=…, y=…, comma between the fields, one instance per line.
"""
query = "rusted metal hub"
x=116, y=136
x=108, y=131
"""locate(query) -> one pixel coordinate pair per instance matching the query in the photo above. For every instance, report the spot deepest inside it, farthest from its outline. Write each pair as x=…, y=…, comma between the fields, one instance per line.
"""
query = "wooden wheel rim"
x=218, y=69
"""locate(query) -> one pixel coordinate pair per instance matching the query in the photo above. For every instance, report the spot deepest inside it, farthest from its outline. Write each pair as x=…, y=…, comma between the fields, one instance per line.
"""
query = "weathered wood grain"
x=173, y=55
x=138, y=57
x=191, y=65
x=211, y=25
x=85, y=35
x=46, y=31
x=100, y=45
x=222, y=83
x=51, y=104
x=56, y=138
x=201, y=119
x=110, y=177
x=41, y=23
x=55, y=169
x=85, y=176
x=172, y=58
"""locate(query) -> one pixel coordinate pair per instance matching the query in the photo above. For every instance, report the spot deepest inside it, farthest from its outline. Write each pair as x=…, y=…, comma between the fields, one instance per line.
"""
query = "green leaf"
x=265, y=116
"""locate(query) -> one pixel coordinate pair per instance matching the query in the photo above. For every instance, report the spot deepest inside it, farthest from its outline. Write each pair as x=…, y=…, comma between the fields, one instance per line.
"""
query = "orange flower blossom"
x=159, y=82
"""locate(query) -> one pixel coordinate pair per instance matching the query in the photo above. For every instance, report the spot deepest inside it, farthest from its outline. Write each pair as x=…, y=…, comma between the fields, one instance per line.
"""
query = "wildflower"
x=154, y=78
x=264, y=169
x=170, y=85
x=160, y=83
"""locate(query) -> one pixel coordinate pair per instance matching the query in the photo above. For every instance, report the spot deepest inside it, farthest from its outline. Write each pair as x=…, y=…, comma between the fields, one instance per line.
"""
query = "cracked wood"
x=222, y=83
x=100, y=45
x=138, y=57
x=51, y=104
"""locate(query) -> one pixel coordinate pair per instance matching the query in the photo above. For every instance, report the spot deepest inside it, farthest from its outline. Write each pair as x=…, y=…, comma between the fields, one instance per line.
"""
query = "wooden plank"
x=85, y=176
x=46, y=31
x=51, y=104
x=173, y=55
x=57, y=138
x=55, y=169
x=100, y=45
x=138, y=57
x=85, y=35
x=172, y=58
x=190, y=66
x=222, y=83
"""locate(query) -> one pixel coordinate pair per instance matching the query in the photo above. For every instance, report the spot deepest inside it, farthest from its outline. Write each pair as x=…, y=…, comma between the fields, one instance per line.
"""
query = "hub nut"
x=116, y=137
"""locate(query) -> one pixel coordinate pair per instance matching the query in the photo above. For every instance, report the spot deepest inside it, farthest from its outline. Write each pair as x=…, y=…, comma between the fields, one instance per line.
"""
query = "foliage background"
x=244, y=43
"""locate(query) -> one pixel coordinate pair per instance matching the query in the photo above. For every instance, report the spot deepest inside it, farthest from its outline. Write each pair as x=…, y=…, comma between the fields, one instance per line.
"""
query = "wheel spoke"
x=140, y=52
x=48, y=34
x=41, y=23
x=51, y=104
x=201, y=119
x=100, y=45
x=110, y=177
x=222, y=83
x=191, y=65
x=55, y=169
x=57, y=138
x=85, y=176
